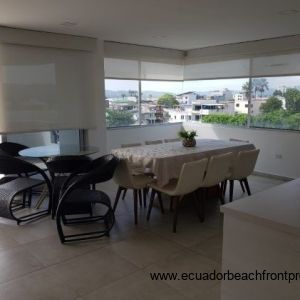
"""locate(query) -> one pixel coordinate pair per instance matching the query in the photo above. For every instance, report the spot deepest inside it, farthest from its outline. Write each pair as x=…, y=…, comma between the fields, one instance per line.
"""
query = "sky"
x=197, y=86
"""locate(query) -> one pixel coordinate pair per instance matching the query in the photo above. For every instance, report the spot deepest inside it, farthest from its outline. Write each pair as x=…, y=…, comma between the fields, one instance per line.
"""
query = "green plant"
x=187, y=135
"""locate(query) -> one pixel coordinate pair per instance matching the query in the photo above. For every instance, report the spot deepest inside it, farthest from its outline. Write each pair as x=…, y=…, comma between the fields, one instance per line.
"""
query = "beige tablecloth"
x=165, y=160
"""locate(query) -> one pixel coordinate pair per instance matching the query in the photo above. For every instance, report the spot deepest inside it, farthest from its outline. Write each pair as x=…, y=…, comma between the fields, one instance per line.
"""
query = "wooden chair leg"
x=140, y=198
x=150, y=204
x=202, y=201
x=224, y=187
x=231, y=190
x=117, y=198
x=135, y=199
x=124, y=194
x=175, y=216
x=245, y=181
x=242, y=186
x=171, y=204
x=145, y=197
x=221, y=196
x=196, y=203
x=160, y=202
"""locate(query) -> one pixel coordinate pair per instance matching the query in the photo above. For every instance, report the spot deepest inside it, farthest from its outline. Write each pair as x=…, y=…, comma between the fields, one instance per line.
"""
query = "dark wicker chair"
x=19, y=186
x=60, y=167
x=75, y=192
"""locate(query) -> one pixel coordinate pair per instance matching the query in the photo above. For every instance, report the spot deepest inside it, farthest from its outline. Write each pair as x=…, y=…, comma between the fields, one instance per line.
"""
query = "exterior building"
x=153, y=114
x=220, y=95
x=239, y=97
x=180, y=114
x=241, y=106
x=186, y=98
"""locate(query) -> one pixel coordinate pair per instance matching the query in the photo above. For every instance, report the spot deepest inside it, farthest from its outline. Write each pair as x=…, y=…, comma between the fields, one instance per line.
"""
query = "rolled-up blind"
x=45, y=88
x=217, y=69
x=276, y=65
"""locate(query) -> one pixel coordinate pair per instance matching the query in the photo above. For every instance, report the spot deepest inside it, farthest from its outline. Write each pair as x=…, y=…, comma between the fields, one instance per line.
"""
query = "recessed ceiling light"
x=289, y=12
x=68, y=23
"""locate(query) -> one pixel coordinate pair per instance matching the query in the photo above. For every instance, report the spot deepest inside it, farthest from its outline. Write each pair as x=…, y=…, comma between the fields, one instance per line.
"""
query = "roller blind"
x=126, y=61
x=45, y=88
x=217, y=69
x=276, y=65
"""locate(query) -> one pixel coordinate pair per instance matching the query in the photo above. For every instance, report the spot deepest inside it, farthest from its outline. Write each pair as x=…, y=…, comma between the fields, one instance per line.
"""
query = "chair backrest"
x=10, y=165
x=66, y=164
x=131, y=145
x=218, y=169
x=11, y=149
x=153, y=142
x=191, y=176
x=238, y=140
x=244, y=164
x=123, y=175
x=100, y=169
x=172, y=140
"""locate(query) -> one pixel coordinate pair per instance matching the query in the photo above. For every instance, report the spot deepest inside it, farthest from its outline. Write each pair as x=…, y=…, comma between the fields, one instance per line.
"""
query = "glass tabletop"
x=58, y=150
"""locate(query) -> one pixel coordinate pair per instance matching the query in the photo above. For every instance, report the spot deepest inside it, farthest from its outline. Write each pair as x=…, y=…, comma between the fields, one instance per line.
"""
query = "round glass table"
x=58, y=150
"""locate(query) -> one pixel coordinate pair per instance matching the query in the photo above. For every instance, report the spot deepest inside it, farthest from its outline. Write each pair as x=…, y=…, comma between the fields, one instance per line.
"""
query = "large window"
x=133, y=102
x=276, y=102
x=122, y=102
x=222, y=101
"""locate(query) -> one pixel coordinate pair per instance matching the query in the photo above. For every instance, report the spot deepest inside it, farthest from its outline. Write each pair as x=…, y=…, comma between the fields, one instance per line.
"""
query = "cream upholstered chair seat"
x=124, y=178
x=243, y=166
x=190, y=179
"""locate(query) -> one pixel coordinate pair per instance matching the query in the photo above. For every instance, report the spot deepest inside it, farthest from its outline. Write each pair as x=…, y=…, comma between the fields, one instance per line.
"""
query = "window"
x=122, y=102
x=162, y=99
x=216, y=100
x=276, y=102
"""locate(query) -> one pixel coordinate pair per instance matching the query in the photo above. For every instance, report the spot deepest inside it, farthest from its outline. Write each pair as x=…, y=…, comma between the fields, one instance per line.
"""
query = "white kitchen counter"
x=262, y=232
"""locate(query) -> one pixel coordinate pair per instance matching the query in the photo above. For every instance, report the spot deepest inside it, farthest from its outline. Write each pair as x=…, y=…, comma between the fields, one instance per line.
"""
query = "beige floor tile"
x=211, y=248
x=187, y=262
x=17, y=262
x=40, y=285
x=93, y=270
x=50, y=250
x=144, y=248
x=135, y=287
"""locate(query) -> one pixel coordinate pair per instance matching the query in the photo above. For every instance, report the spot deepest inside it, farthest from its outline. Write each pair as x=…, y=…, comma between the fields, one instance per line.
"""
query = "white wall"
x=279, y=149
x=139, y=134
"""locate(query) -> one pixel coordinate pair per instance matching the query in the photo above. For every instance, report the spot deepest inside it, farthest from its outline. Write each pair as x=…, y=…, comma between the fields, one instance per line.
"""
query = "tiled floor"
x=34, y=265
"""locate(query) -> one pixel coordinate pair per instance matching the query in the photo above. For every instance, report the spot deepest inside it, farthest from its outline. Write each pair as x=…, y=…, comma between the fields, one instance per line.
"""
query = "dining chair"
x=172, y=140
x=218, y=170
x=243, y=166
x=156, y=142
x=124, y=178
x=190, y=179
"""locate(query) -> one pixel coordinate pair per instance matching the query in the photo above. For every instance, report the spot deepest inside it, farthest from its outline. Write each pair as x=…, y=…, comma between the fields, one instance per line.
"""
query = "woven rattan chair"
x=74, y=192
x=13, y=203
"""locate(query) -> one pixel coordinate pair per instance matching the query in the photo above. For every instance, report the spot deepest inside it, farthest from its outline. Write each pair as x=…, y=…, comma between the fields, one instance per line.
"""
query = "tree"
x=246, y=89
x=292, y=98
x=116, y=118
x=272, y=104
x=168, y=100
x=260, y=85
x=277, y=93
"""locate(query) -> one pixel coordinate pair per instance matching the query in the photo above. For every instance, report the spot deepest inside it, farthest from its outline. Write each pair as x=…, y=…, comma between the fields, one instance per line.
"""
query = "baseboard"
x=273, y=176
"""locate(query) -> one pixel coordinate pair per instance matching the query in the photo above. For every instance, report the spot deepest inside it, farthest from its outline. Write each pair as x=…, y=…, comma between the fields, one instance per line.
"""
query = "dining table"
x=165, y=160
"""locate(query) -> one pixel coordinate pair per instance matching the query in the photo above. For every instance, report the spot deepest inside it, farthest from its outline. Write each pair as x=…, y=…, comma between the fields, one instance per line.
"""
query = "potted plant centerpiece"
x=188, y=138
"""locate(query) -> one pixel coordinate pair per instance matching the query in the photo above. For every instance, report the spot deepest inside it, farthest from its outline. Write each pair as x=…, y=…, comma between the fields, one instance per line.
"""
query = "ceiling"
x=178, y=24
